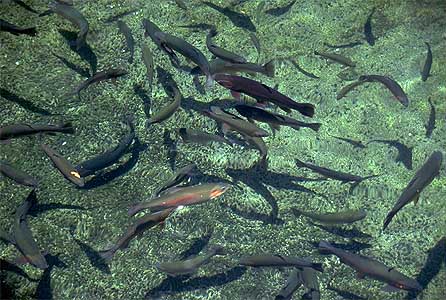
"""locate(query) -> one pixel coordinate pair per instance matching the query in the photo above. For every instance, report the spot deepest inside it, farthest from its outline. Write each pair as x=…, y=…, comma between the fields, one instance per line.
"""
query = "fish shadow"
x=342, y=232
x=171, y=146
x=85, y=52
x=79, y=70
x=102, y=179
x=26, y=104
x=93, y=256
x=238, y=19
x=166, y=80
x=43, y=290
x=146, y=101
x=41, y=208
x=435, y=259
x=183, y=284
x=196, y=247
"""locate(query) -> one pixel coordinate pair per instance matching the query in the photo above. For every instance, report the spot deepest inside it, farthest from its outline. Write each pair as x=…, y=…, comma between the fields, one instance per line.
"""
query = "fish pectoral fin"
x=390, y=289
x=416, y=198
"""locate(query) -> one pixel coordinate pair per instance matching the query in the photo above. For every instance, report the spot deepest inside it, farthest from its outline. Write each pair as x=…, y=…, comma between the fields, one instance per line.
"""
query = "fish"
x=355, y=144
x=120, y=15
x=342, y=176
x=136, y=229
x=150, y=30
x=64, y=166
x=188, y=51
x=185, y=196
x=342, y=46
x=167, y=111
x=189, y=266
x=109, y=157
x=404, y=152
x=340, y=217
x=389, y=83
x=372, y=268
x=427, y=63
x=21, y=236
x=15, y=30
x=220, y=52
x=220, y=66
x=177, y=178
x=274, y=260
x=311, y=283
x=147, y=58
x=293, y=282
x=346, y=89
x=423, y=177
x=430, y=126
x=299, y=68
x=200, y=137
x=368, y=29
x=275, y=119
x=337, y=58
x=239, y=20
x=25, y=6
x=278, y=11
x=262, y=92
x=26, y=104
x=17, y=175
x=259, y=144
x=100, y=76
x=76, y=18
x=18, y=130
x=130, y=42
x=235, y=122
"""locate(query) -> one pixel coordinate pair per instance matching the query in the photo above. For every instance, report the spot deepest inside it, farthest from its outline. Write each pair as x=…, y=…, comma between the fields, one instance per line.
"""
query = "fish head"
x=408, y=285
x=218, y=190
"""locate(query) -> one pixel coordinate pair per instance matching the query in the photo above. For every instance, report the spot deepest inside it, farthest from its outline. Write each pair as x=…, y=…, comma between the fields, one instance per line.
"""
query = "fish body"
x=167, y=111
x=427, y=64
x=15, y=30
x=221, y=66
x=185, y=196
x=200, y=137
x=189, y=266
x=261, y=115
x=136, y=229
x=311, y=283
x=342, y=217
x=369, y=37
x=74, y=16
x=337, y=58
x=107, y=158
x=151, y=30
x=147, y=58
x=423, y=177
x=220, y=52
x=100, y=76
x=389, y=83
x=125, y=30
x=366, y=266
x=270, y=260
x=355, y=144
x=300, y=69
x=177, y=178
x=294, y=281
x=22, y=235
x=17, y=175
x=262, y=92
x=235, y=122
x=17, y=130
x=64, y=166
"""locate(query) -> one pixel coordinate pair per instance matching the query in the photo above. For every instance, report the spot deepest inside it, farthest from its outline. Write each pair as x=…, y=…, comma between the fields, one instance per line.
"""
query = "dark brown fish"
x=261, y=115
x=200, y=137
x=15, y=30
x=354, y=143
x=235, y=122
x=64, y=166
x=340, y=217
x=389, y=83
x=293, y=282
x=299, y=68
x=17, y=130
x=167, y=111
x=271, y=260
x=189, y=266
x=366, y=266
x=369, y=37
x=184, y=196
x=136, y=229
x=427, y=63
x=74, y=16
x=130, y=42
x=220, y=52
x=17, y=175
x=337, y=58
x=263, y=93
x=100, y=76
x=346, y=89
x=423, y=177
x=147, y=58
x=150, y=30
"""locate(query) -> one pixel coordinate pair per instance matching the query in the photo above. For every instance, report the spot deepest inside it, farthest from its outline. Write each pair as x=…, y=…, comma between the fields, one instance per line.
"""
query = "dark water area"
x=108, y=104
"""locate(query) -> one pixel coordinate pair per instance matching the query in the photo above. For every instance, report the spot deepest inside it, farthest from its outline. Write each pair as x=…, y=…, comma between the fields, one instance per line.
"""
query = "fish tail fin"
x=306, y=109
x=269, y=68
x=68, y=128
x=318, y=267
x=388, y=219
x=325, y=247
x=370, y=176
x=300, y=164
